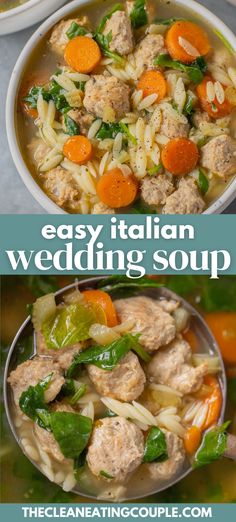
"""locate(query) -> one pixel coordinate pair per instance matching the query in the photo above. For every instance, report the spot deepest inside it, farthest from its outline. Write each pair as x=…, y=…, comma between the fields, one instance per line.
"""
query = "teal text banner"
x=133, y=244
x=128, y=512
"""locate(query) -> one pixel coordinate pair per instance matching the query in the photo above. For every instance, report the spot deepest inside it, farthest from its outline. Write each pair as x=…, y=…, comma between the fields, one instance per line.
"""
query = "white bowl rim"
x=215, y=208
x=19, y=9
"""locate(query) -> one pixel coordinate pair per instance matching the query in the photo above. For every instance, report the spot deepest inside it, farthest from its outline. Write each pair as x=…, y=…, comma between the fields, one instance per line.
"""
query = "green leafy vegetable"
x=79, y=461
x=168, y=21
x=203, y=181
x=105, y=474
x=68, y=388
x=155, y=170
x=155, y=446
x=32, y=400
x=72, y=128
x=78, y=394
x=195, y=71
x=138, y=15
x=32, y=96
x=213, y=447
x=75, y=30
x=139, y=207
x=202, y=141
x=116, y=7
x=104, y=43
x=189, y=106
x=126, y=131
x=108, y=131
x=113, y=283
x=69, y=326
x=57, y=95
x=71, y=431
x=107, y=357
x=232, y=390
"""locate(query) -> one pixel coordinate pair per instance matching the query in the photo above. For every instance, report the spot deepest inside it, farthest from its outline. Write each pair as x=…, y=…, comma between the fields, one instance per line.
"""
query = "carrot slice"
x=104, y=300
x=153, y=82
x=116, y=190
x=192, y=439
x=214, y=108
x=82, y=54
x=223, y=327
x=194, y=39
x=180, y=156
x=214, y=402
x=78, y=149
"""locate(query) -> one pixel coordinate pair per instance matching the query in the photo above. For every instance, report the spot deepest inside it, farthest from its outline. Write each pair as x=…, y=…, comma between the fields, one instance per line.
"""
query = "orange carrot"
x=180, y=156
x=192, y=439
x=214, y=108
x=78, y=149
x=104, y=300
x=153, y=82
x=192, y=35
x=214, y=401
x=191, y=338
x=116, y=190
x=223, y=327
x=82, y=54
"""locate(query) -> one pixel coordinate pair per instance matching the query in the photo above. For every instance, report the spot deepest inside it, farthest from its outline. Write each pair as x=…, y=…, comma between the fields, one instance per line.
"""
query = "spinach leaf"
x=105, y=474
x=124, y=128
x=203, y=181
x=189, y=107
x=113, y=283
x=139, y=207
x=232, y=390
x=104, y=42
x=56, y=94
x=108, y=131
x=69, y=326
x=78, y=394
x=72, y=128
x=195, y=71
x=116, y=7
x=213, y=447
x=32, y=96
x=32, y=400
x=76, y=30
x=107, y=357
x=71, y=431
x=138, y=15
x=168, y=21
x=79, y=461
x=67, y=389
x=155, y=446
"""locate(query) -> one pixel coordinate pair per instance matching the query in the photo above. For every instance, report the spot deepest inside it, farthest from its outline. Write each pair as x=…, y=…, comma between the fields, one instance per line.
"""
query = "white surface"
x=14, y=197
x=27, y=14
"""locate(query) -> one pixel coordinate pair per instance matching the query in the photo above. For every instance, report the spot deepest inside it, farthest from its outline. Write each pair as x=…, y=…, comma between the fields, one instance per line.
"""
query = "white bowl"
x=27, y=14
x=215, y=208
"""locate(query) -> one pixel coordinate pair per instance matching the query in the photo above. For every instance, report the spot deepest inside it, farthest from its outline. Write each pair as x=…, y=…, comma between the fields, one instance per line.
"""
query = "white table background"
x=14, y=197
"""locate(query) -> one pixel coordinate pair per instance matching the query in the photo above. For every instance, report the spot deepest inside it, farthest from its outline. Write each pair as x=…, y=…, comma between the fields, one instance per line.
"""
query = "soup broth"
x=138, y=139
x=5, y=5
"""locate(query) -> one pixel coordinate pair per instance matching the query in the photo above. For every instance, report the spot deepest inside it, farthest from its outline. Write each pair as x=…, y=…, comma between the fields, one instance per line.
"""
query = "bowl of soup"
x=16, y=15
x=126, y=109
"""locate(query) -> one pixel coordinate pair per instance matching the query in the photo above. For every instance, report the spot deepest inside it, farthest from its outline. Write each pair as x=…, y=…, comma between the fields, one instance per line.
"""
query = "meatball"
x=61, y=187
x=173, y=366
x=116, y=447
x=148, y=49
x=31, y=372
x=122, y=37
x=172, y=126
x=125, y=382
x=185, y=200
x=46, y=439
x=63, y=356
x=82, y=118
x=219, y=155
x=107, y=94
x=176, y=455
x=59, y=39
x=157, y=327
x=101, y=208
x=155, y=190
x=200, y=117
